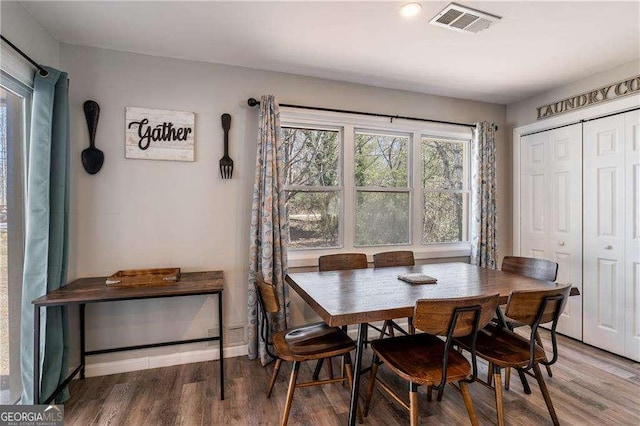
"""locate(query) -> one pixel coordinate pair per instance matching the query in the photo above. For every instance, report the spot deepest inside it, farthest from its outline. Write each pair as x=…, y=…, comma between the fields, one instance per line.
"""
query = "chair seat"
x=502, y=347
x=418, y=359
x=314, y=341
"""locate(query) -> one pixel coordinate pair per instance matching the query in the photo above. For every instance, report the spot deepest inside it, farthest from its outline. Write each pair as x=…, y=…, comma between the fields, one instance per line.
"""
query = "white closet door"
x=604, y=239
x=564, y=243
x=551, y=213
x=534, y=159
x=632, y=235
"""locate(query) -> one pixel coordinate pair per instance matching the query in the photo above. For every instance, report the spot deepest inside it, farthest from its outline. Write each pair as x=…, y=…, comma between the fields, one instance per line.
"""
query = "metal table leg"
x=220, y=331
x=36, y=354
x=82, y=342
x=362, y=328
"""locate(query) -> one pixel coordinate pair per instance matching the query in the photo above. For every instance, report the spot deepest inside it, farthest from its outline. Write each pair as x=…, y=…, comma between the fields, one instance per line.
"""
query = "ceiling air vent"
x=461, y=18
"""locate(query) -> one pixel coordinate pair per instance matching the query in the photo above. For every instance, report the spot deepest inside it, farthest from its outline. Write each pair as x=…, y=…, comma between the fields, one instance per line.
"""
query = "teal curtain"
x=46, y=233
x=269, y=237
x=484, y=219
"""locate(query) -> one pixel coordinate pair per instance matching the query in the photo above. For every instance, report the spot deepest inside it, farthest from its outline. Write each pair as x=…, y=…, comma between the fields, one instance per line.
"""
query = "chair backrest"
x=457, y=317
x=531, y=307
x=540, y=269
x=535, y=307
x=269, y=305
x=436, y=316
x=342, y=262
x=267, y=295
x=393, y=258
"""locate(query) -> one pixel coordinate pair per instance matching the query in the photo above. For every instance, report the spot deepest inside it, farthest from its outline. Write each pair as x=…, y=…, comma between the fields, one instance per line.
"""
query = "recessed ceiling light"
x=410, y=9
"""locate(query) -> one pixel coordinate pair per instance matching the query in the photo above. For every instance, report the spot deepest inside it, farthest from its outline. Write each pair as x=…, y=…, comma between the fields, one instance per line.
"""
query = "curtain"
x=484, y=242
x=269, y=235
x=46, y=233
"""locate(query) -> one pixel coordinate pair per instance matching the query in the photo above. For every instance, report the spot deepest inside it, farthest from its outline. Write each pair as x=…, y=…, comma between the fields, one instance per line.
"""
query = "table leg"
x=83, y=348
x=220, y=331
x=362, y=328
x=36, y=354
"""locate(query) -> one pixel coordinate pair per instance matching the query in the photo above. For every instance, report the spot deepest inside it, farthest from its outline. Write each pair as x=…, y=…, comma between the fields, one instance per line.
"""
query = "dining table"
x=362, y=296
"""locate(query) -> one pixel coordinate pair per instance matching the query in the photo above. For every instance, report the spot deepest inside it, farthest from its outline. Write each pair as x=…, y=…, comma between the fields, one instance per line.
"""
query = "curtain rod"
x=253, y=102
x=43, y=72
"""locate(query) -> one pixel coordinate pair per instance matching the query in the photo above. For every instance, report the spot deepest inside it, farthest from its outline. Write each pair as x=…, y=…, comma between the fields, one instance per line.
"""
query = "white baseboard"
x=157, y=361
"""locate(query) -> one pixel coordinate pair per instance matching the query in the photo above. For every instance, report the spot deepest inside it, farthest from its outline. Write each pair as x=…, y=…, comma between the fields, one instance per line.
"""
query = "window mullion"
x=348, y=229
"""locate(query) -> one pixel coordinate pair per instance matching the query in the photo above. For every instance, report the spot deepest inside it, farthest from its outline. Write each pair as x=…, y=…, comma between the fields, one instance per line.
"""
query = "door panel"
x=632, y=235
x=604, y=222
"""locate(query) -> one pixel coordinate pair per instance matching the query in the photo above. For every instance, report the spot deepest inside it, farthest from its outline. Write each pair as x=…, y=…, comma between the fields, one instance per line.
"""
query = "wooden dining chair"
x=502, y=348
x=540, y=269
x=307, y=343
x=389, y=259
x=342, y=262
x=425, y=359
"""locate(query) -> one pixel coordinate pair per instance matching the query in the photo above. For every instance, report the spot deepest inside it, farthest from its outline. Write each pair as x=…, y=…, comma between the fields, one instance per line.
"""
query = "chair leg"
x=316, y=371
x=274, y=375
x=523, y=379
x=292, y=388
x=384, y=329
x=349, y=371
x=498, y=390
x=372, y=382
x=545, y=394
x=429, y=392
x=539, y=342
x=440, y=393
x=330, y=367
x=412, y=329
x=413, y=404
x=468, y=403
x=490, y=374
x=507, y=378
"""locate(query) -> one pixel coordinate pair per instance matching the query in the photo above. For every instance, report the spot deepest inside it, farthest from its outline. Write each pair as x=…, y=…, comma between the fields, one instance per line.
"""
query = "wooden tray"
x=144, y=277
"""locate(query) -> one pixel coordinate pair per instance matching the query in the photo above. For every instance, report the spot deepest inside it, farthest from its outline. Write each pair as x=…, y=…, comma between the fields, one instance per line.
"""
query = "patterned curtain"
x=484, y=242
x=269, y=235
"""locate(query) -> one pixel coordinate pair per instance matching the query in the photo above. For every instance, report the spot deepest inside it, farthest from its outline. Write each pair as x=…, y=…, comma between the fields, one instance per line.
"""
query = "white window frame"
x=377, y=189
x=339, y=188
x=466, y=186
x=348, y=123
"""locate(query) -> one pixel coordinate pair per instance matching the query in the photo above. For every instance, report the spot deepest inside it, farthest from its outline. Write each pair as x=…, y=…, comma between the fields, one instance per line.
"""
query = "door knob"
x=561, y=243
x=608, y=247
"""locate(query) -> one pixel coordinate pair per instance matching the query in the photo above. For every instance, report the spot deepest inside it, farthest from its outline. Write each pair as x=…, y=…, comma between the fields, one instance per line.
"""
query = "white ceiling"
x=536, y=45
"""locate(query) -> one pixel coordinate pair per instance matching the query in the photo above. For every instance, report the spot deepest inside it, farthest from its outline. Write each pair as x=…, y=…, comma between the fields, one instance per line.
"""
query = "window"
x=445, y=190
x=14, y=102
x=382, y=189
x=360, y=183
x=312, y=183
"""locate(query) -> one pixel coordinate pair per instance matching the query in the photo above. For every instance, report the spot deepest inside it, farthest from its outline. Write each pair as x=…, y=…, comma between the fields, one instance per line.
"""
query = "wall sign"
x=156, y=134
x=603, y=94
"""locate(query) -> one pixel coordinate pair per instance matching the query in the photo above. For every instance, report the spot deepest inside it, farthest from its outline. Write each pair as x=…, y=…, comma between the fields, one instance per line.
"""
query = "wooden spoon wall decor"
x=92, y=157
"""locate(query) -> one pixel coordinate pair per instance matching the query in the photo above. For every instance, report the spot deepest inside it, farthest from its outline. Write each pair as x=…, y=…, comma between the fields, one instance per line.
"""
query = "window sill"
x=309, y=258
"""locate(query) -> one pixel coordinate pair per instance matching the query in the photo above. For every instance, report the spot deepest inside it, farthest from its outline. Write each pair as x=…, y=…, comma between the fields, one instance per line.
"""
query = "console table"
x=93, y=290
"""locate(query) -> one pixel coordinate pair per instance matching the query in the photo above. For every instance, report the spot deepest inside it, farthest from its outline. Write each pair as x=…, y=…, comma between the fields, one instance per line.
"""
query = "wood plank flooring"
x=589, y=387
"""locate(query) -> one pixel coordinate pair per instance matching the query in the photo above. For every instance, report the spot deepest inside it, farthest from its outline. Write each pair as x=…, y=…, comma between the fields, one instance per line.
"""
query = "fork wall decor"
x=226, y=163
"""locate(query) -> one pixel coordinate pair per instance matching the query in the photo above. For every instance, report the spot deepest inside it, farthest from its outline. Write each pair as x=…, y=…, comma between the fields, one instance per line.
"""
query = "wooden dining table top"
x=367, y=295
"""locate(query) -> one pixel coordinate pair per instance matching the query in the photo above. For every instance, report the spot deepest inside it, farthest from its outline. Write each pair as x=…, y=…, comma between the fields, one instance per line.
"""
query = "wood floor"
x=589, y=387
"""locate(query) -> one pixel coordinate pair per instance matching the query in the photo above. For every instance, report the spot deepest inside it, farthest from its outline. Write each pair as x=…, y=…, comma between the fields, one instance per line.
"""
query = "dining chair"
x=540, y=269
x=502, y=348
x=425, y=359
x=389, y=259
x=342, y=262
x=306, y=343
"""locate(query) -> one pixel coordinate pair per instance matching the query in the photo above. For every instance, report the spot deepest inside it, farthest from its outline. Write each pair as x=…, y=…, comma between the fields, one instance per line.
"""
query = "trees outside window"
x=392, y=197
